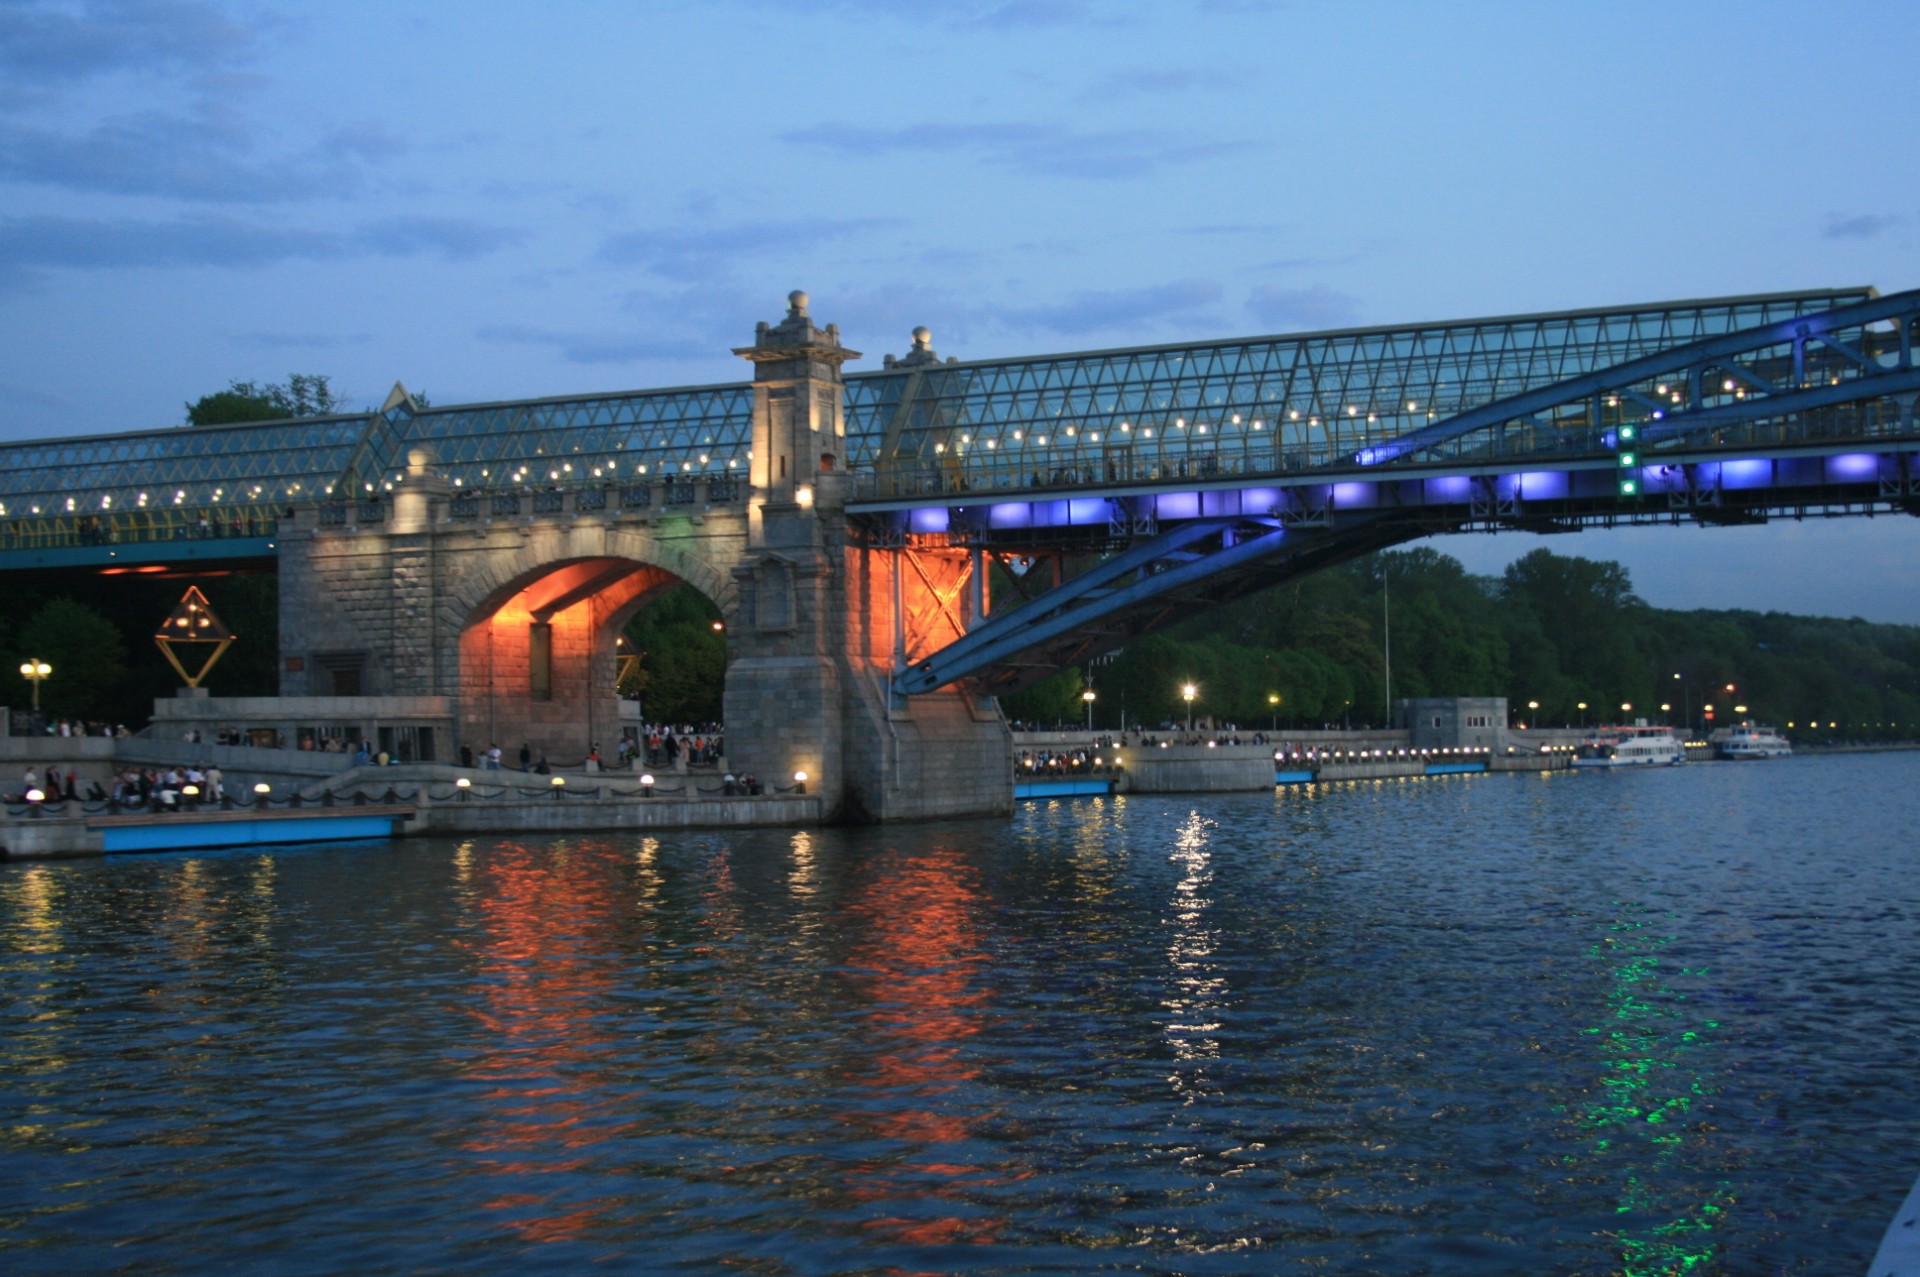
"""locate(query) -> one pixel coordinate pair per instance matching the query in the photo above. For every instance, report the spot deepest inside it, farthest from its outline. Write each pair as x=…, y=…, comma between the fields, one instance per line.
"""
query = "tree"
x=1587, y=611
x=683, y=657
x=88, y=655
x=300, y=395
x=1055, y=699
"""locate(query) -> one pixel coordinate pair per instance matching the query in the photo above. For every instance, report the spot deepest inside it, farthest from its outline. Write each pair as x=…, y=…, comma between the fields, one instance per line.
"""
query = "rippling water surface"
x=1656, y=1023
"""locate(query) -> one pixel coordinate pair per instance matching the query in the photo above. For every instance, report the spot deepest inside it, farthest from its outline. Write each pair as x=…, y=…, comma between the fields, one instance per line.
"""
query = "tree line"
x=1558, y=630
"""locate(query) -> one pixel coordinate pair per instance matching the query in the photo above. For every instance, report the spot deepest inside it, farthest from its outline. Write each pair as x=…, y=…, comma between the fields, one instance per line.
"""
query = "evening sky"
x=494, y=202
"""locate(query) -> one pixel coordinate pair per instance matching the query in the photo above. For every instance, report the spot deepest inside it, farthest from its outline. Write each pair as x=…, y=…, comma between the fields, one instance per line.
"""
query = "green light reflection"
x=1640, y=1124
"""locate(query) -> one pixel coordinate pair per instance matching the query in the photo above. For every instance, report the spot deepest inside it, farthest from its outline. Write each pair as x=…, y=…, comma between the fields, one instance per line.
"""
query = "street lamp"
x=1533, y=712
x=1686, y=704
x=1273, y=704
x=1187, y=692
x=35, y=671
x=1583, y=713
x=1089, y=697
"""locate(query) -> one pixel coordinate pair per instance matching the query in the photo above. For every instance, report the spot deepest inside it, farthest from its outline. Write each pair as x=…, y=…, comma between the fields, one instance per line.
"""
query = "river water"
x=1540, y=1024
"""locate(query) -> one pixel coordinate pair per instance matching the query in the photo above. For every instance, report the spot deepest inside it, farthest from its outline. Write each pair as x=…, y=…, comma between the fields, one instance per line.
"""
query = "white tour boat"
x=1750, y=740
x=1639, y=746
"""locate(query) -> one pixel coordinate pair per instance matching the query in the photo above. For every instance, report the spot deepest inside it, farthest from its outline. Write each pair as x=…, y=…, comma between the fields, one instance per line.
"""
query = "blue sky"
x=494, y=202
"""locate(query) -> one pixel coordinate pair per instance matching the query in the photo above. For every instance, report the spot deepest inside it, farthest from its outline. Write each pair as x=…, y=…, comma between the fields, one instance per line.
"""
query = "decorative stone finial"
x=922, y=352
x=795, y=337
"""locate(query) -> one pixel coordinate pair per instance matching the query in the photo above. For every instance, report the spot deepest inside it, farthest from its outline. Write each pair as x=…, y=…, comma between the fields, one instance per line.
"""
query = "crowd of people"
x=1171, y=733
x=664, y=745
x=68, y=727
x=134, y=788
x=1062, y=762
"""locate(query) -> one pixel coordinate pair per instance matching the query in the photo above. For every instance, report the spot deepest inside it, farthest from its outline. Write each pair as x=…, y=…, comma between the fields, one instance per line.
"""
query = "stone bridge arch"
x=536, y=629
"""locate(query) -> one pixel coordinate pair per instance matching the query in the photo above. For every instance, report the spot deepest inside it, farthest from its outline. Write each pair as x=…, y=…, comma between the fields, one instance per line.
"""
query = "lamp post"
x=1533, y=712
x=35, y=671
x=1187, y=692
x=1273, y=704
x=1089, y=697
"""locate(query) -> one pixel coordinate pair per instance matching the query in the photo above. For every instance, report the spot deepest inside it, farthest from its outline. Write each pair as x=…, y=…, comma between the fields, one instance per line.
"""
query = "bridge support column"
x=809, y=684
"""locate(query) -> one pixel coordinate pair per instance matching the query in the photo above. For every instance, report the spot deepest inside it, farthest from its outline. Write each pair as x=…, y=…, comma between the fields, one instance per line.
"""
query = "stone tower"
x=813, y=646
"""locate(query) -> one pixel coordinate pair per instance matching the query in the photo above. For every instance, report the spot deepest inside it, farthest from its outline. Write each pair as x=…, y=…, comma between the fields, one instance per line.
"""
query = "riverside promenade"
x=1227, y=762
x=397, y=801
x=275, y=796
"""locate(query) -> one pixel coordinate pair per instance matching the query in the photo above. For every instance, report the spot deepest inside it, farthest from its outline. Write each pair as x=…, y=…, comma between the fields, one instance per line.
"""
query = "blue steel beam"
x=1143, y=585
x=1017, y=647
x=1786, y=403
x=1100, y=592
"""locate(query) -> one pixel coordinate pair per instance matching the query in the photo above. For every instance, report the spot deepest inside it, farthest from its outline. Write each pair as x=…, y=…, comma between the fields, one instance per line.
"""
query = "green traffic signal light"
x=1625, y=434
x=1627, y=459
x=1629, y=487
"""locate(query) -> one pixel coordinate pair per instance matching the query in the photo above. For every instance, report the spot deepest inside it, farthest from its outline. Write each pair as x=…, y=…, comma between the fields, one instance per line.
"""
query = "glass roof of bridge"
x=1315, y=396
x=1027, y=416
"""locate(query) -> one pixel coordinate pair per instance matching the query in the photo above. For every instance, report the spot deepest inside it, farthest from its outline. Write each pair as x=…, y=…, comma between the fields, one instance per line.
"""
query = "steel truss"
x=1684, y=410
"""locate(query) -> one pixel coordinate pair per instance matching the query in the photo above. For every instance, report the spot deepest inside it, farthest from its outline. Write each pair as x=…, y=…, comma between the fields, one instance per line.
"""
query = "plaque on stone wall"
x=772, y=597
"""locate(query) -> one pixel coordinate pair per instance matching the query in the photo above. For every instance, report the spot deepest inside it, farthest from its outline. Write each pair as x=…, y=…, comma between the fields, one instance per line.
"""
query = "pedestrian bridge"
x=1141, y=480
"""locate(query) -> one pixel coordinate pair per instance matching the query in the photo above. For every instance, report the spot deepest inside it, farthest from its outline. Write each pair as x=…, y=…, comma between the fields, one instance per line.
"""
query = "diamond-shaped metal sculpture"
x=193, y=627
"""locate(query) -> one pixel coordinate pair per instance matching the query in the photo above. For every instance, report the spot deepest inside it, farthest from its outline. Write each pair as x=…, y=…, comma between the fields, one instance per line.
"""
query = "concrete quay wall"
x=1196, y=769
x=63, y=836
x=623, y=815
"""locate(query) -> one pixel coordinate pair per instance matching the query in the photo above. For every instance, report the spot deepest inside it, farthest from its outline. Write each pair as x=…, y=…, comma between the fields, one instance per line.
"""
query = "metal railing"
x=46, y=532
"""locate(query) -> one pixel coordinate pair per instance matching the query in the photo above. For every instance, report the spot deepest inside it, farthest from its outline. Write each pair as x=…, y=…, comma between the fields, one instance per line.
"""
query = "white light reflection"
x=804, y=878
x=648, y=883
x=1196, y=990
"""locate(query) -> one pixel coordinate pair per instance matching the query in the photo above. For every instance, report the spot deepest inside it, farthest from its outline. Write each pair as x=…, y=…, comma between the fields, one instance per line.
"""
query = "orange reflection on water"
x=551, y=926
x=915, y=955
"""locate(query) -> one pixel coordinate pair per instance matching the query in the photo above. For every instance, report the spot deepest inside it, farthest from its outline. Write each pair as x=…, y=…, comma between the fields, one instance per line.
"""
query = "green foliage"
x=1555, y=629
x=88, y=655
x=1054, y=699
x=1600, y=633
x=300, y=395
x=123, y=690
x=683, y=658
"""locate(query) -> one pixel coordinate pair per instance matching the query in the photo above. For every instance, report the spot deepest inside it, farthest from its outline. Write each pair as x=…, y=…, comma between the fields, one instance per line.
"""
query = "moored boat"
x=1749, y=740
x=1638, y=746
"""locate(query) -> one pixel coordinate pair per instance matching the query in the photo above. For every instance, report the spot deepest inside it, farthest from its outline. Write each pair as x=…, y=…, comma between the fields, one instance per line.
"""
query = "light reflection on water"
x=1571, y=1024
